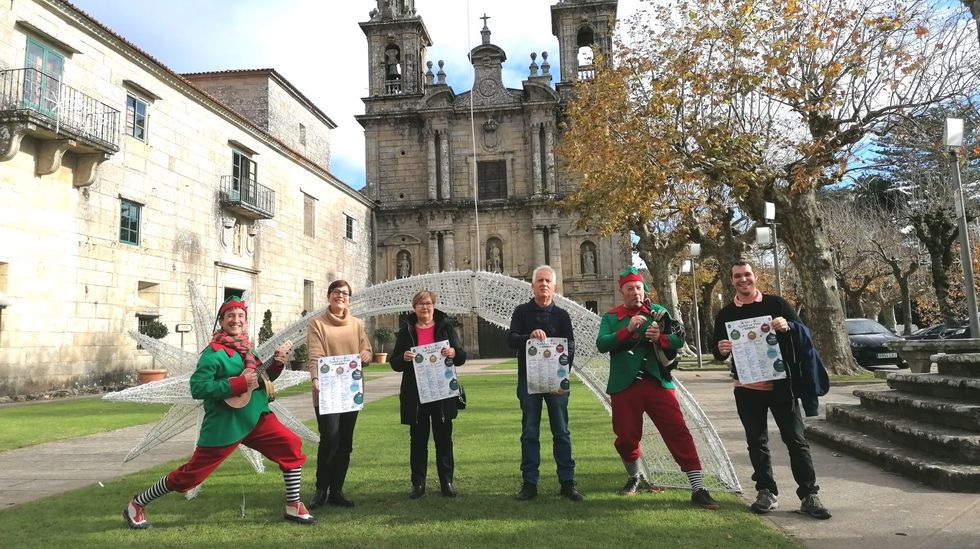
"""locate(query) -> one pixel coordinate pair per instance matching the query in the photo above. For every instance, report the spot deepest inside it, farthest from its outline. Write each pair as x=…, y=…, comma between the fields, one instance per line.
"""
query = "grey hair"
x=534, y=275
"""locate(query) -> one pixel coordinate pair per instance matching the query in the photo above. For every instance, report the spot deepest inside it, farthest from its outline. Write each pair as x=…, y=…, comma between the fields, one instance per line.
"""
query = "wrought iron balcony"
x=32, y=94
x=247, y=197
x=60, y=117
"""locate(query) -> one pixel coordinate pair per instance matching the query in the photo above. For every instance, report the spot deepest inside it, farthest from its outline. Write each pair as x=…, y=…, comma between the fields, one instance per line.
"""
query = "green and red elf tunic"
x=616, y=339
x=219, y=376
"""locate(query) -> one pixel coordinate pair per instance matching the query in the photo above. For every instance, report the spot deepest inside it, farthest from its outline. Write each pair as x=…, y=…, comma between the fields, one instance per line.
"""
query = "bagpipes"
x=666, y=358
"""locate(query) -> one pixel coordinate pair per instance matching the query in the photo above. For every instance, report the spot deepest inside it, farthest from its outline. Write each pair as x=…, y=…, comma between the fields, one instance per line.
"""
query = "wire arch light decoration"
x=493, y=297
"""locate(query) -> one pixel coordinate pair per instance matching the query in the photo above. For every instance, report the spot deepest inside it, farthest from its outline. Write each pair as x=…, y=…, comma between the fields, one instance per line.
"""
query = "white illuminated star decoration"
x=176, y=390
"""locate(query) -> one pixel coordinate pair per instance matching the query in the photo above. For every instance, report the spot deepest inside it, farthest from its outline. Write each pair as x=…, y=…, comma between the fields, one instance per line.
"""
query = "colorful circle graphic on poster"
x=562, y=372
x=532, y=351
x=324, y=368
x=771, y=352
x=736, y=334
x=453, y=384
x=752, y=336
x=352, y=365
x=547, y=353
x=771, y=339
x=765, y=328
x=449, y=362
x=359, y=398
x=419, y=359
x=448, y=372
x=779, y=366
x=560, y=348
x=339, y=371
x=563, y=360
x=356, y=375
x=355, y=387
x=564, y=384
x=433, y=359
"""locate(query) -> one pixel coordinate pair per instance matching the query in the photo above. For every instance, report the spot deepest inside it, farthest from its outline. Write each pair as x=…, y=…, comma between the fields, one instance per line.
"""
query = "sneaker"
x=135, y=515
x=568, y=490
x=811, y=506
x=528, y=491
x=764, y=502
x=634, y=485
x=296, y=512
x=701, y=498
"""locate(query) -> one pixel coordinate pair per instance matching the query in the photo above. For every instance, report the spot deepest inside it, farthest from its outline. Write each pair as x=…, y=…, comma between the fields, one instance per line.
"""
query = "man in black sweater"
x=754, y=401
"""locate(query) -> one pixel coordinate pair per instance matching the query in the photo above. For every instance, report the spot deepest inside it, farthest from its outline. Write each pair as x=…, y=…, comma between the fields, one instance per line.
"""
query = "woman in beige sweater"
x=335, y=332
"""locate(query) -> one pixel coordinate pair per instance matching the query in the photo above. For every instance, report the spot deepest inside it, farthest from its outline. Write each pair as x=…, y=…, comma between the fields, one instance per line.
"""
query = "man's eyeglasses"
x=343, y=293
x=425, y=304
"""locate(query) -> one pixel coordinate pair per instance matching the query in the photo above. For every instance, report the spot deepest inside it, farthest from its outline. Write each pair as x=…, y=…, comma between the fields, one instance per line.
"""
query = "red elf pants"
x=647, y=395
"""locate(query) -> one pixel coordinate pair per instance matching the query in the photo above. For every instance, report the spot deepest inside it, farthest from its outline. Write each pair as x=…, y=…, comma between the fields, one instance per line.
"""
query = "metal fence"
x=247, y=193
x=32, y=91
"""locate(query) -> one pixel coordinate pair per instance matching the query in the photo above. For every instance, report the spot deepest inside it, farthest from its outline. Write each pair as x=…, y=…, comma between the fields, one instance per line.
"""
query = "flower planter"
x=380, y=358
x=146, y=376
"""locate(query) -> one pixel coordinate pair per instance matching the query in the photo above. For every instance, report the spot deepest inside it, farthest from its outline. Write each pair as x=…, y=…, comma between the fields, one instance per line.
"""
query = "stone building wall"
x=70, y=289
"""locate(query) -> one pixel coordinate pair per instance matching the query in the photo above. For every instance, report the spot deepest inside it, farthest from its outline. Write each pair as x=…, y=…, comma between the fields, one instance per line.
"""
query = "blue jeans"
x=530, y=430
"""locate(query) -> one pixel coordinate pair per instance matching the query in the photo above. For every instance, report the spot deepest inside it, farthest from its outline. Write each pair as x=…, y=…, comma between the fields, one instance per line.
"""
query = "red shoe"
x=135, y=515
x=296, y=512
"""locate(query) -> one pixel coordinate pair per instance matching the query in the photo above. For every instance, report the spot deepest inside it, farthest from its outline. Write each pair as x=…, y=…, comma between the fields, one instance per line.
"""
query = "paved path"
x=872, y=509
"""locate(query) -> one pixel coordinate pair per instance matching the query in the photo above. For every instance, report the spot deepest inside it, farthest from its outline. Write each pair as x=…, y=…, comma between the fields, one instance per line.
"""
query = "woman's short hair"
x=423, y=294
x=339, y=284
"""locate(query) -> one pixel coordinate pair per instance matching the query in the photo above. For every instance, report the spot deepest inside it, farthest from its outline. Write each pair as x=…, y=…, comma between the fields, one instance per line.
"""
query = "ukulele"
x=240, y=401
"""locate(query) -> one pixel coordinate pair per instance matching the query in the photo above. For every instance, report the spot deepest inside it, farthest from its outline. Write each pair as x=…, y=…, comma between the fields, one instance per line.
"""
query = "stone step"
x=959, y=364
x=938, y=410
x=959, y=388
x=940, y=473
x=948, y=442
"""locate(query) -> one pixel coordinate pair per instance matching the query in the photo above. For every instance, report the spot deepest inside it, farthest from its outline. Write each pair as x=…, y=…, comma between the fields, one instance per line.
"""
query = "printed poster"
x=341, y=384
x=547, y=365
x=435, y=374
x=755, y=350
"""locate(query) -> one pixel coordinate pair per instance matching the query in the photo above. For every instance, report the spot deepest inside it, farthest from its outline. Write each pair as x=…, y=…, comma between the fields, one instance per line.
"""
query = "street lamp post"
x=953, y=139
x=693, y=251
x=770, y=216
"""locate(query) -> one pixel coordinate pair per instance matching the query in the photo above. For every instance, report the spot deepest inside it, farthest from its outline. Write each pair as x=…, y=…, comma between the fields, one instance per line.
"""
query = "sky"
x=318, y=46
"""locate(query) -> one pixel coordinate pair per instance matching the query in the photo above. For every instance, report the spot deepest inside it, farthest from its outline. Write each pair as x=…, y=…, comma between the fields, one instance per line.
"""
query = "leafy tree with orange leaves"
x=759, y=100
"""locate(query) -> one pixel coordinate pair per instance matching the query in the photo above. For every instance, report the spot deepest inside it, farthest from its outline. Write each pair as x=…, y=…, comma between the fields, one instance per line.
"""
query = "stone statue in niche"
x=392, y=60
x=494, y=258
x=588, y=260
x=404, y=265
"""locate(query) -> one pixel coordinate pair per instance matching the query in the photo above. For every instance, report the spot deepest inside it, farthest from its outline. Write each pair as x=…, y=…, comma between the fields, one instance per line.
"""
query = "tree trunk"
x=664, y=282
x=810, y=254
x=887, y=317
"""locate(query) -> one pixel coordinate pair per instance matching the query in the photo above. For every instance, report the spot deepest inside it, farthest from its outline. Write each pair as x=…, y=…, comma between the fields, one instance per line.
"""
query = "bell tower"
x=581, y=26
x=397, y=39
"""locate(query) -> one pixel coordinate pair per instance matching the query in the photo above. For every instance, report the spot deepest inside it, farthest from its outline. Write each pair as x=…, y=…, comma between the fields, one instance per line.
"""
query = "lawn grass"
x=485, y=514
x=30, y=424
x=504, y=364
x=863, y=376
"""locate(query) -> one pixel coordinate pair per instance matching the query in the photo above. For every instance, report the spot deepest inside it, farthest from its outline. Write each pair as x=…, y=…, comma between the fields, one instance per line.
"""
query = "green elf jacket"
x=616, y=339
x=214, y=380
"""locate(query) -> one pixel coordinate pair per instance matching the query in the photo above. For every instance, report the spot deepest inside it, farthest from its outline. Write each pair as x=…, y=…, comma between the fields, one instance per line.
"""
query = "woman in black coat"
x=427, y=325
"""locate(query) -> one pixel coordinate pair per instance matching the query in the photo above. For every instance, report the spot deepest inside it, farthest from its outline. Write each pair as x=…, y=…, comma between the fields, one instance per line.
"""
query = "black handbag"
x=461, y=399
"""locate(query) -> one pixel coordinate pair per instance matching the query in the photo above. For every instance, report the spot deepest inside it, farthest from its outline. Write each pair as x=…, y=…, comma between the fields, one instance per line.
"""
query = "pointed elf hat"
x=632, y=274
x=233, y=302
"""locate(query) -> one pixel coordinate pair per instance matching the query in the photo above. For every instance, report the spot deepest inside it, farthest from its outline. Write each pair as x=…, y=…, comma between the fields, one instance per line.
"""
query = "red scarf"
x=232, y=345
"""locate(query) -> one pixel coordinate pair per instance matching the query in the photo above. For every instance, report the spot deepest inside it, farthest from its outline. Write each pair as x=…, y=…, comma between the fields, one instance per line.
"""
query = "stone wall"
x=74, y=289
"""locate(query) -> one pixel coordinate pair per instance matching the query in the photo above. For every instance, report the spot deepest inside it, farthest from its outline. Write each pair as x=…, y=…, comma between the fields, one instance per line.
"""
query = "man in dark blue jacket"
x=540, y=318
x=754, y=401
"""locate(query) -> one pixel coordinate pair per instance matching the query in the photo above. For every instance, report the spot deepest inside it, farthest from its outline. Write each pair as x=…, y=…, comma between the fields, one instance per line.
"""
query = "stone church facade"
x=421, y=161
x=120, y=180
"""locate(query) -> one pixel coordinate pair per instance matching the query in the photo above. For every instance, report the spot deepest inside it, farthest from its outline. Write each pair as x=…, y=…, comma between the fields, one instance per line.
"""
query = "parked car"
x=931, y=332
x=869, y=343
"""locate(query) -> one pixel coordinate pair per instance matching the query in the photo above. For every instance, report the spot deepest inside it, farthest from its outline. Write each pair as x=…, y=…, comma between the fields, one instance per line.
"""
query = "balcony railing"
x=247, y=197
x=586, y=72
x=32, y=93
x=393, y=87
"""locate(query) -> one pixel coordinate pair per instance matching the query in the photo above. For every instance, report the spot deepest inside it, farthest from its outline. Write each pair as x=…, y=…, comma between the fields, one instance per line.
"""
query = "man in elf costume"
x=639, y=336
x=226, y=369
